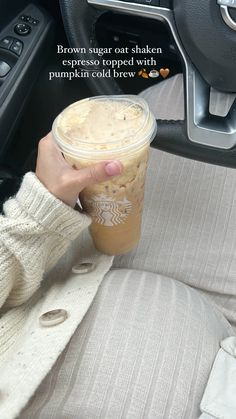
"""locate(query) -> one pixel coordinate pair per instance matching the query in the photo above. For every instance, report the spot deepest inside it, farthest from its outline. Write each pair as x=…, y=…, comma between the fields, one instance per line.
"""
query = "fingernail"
x=113, y=168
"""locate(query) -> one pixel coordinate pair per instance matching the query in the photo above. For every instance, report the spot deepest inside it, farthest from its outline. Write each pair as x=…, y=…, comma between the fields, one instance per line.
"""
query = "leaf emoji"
x=145, y=76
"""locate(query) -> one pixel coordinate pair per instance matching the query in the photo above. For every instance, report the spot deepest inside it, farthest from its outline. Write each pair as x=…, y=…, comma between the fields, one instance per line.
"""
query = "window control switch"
x=17, y=47
x=6, y=42
x=4, y=68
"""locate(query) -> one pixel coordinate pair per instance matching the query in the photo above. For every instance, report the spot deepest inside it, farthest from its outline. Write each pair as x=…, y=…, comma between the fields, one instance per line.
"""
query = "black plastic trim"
x=16, y=86
x=172, y=135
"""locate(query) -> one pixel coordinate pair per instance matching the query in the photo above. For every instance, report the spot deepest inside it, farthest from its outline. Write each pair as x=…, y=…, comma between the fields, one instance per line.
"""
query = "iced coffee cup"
x=105, y=128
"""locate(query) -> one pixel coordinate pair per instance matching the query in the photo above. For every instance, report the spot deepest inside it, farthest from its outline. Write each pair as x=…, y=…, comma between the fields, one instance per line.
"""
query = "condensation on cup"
x=106, y=128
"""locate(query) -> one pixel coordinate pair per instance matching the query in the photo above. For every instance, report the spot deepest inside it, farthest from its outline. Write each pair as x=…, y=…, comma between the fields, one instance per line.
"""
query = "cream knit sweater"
x=36, y=230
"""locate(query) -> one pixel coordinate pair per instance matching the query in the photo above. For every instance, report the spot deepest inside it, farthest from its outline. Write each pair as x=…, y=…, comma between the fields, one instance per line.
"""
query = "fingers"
x=100, y=172
x=47, y=141
x=48, y=145
x=49, y=155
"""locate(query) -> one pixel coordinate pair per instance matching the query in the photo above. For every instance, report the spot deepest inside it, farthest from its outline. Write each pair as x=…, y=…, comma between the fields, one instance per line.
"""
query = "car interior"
x=29, y=101
x=30, y=33
x=191, y=91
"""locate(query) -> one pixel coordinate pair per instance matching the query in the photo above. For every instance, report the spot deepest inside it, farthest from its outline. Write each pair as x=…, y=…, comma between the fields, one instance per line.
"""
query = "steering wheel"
x=205, y=34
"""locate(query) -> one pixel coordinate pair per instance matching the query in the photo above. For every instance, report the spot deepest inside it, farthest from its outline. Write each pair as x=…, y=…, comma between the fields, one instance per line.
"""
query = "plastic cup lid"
x=104, y=125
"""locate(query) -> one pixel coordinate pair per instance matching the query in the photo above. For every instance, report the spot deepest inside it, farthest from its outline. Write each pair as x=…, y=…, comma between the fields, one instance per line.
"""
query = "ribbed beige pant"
x=145, y=348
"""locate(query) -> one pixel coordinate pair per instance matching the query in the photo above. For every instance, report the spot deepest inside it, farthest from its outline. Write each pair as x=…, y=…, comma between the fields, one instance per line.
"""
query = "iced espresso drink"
x=107, y=128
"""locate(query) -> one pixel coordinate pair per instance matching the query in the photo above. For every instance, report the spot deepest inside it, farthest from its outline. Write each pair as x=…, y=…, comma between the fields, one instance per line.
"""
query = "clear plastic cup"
x=106, y=128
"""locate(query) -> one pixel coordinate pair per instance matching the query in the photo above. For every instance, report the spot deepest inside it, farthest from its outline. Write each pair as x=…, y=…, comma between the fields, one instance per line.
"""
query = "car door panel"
x=16, y=84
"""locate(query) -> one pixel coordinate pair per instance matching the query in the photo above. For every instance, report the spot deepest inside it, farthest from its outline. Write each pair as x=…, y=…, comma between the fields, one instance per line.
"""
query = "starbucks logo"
x=107, y=211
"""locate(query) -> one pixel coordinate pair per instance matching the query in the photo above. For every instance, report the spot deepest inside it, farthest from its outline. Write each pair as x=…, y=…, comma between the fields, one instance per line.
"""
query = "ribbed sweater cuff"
x=49, y=211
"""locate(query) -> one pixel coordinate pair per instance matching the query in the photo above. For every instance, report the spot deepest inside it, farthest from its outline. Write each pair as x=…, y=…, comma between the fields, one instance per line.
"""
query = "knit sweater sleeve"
x=35, y=231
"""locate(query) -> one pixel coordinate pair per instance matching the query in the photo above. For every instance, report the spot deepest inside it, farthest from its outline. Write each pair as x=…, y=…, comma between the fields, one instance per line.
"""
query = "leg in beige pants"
x=144, y=350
